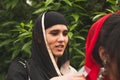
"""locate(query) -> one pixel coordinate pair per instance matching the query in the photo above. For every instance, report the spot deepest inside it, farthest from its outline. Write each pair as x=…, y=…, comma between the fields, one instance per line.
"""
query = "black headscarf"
x=41, y=66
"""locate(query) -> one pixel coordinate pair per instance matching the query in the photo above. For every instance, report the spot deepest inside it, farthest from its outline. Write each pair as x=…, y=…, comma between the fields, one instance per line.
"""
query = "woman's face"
x=57, y=38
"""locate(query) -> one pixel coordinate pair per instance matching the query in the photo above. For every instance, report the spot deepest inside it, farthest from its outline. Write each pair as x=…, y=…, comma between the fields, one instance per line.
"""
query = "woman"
x=103, y=48
x=50, y=57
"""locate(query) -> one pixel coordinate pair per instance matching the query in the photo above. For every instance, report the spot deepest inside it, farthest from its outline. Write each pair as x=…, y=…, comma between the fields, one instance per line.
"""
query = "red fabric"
x=90, y=43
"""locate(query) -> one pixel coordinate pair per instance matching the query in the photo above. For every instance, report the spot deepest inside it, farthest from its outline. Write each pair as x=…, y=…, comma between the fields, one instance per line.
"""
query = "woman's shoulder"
x=17, y=64
x=17, y=70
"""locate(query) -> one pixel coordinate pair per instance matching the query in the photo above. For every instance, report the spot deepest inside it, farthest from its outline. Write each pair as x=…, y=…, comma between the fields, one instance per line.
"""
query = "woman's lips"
x=60, y=47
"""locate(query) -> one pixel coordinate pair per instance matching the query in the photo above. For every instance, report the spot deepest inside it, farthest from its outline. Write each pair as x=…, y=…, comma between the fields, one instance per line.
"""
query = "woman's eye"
x=55, y=32
x=65, y=33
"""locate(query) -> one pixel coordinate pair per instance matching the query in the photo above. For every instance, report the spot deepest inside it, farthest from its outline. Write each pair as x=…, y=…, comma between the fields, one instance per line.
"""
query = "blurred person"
x=103, y=48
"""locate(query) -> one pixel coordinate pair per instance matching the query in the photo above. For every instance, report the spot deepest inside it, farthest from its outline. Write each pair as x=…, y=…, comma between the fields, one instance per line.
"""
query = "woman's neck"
x=56, y=59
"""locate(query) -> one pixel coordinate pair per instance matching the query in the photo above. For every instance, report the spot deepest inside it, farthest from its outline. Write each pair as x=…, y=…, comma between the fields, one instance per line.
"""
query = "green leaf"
x=22, y=37
x=8, y=5
x=80, y=52
x=4, y=35
x=70, y=34
x=75, y=16
x=15, y=52
x=112, y=1
x=98, y=16
x=22, y=25
x=75, y=57
x=80, y=37
x=80, y=0
x=111, y=11
x=7, y=23
x=72, y=27
x=80, y=7
x=68, y=2
x=14, y=3
x=26, y=47
x=24, y=34
x=48, y=2
x=41, y=10
x=5, y=42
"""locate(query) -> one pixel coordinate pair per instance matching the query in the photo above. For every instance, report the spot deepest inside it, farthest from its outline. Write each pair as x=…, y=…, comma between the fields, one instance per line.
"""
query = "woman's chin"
x=58, y=54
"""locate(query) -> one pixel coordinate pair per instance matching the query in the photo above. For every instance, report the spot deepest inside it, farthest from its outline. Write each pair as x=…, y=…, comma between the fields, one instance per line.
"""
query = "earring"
x=102, y=72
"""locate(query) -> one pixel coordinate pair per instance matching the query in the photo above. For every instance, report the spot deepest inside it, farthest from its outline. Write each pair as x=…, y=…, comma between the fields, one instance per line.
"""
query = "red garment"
x=90, y=43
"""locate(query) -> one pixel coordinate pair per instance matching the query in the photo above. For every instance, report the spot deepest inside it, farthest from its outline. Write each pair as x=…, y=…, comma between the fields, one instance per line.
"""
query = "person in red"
x=103, y=48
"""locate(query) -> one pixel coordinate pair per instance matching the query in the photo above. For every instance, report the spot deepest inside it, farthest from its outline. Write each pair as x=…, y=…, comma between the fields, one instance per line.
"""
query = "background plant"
x=17, y=18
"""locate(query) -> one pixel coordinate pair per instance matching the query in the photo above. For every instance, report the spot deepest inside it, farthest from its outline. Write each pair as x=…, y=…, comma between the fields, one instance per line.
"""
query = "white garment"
x=67, y=69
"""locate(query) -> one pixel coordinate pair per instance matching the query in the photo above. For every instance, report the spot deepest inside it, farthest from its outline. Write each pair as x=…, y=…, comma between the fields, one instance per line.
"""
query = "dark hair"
x=40, y=54
x=109, y=38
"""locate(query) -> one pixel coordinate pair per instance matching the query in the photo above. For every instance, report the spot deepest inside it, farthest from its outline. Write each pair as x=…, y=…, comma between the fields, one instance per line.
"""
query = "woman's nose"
x=61, y=37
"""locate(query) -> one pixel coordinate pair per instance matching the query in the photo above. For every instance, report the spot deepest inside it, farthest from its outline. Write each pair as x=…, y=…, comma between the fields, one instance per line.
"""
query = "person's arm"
x=70, y=77
x=17, y=71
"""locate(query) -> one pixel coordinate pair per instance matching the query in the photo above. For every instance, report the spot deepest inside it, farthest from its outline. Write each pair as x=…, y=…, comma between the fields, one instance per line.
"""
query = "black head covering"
x=41, y=66
x=53, y=18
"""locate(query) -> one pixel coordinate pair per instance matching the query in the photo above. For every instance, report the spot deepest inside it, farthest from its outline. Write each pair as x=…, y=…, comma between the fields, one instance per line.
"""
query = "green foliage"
x=17, y=18
x=22, y=43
